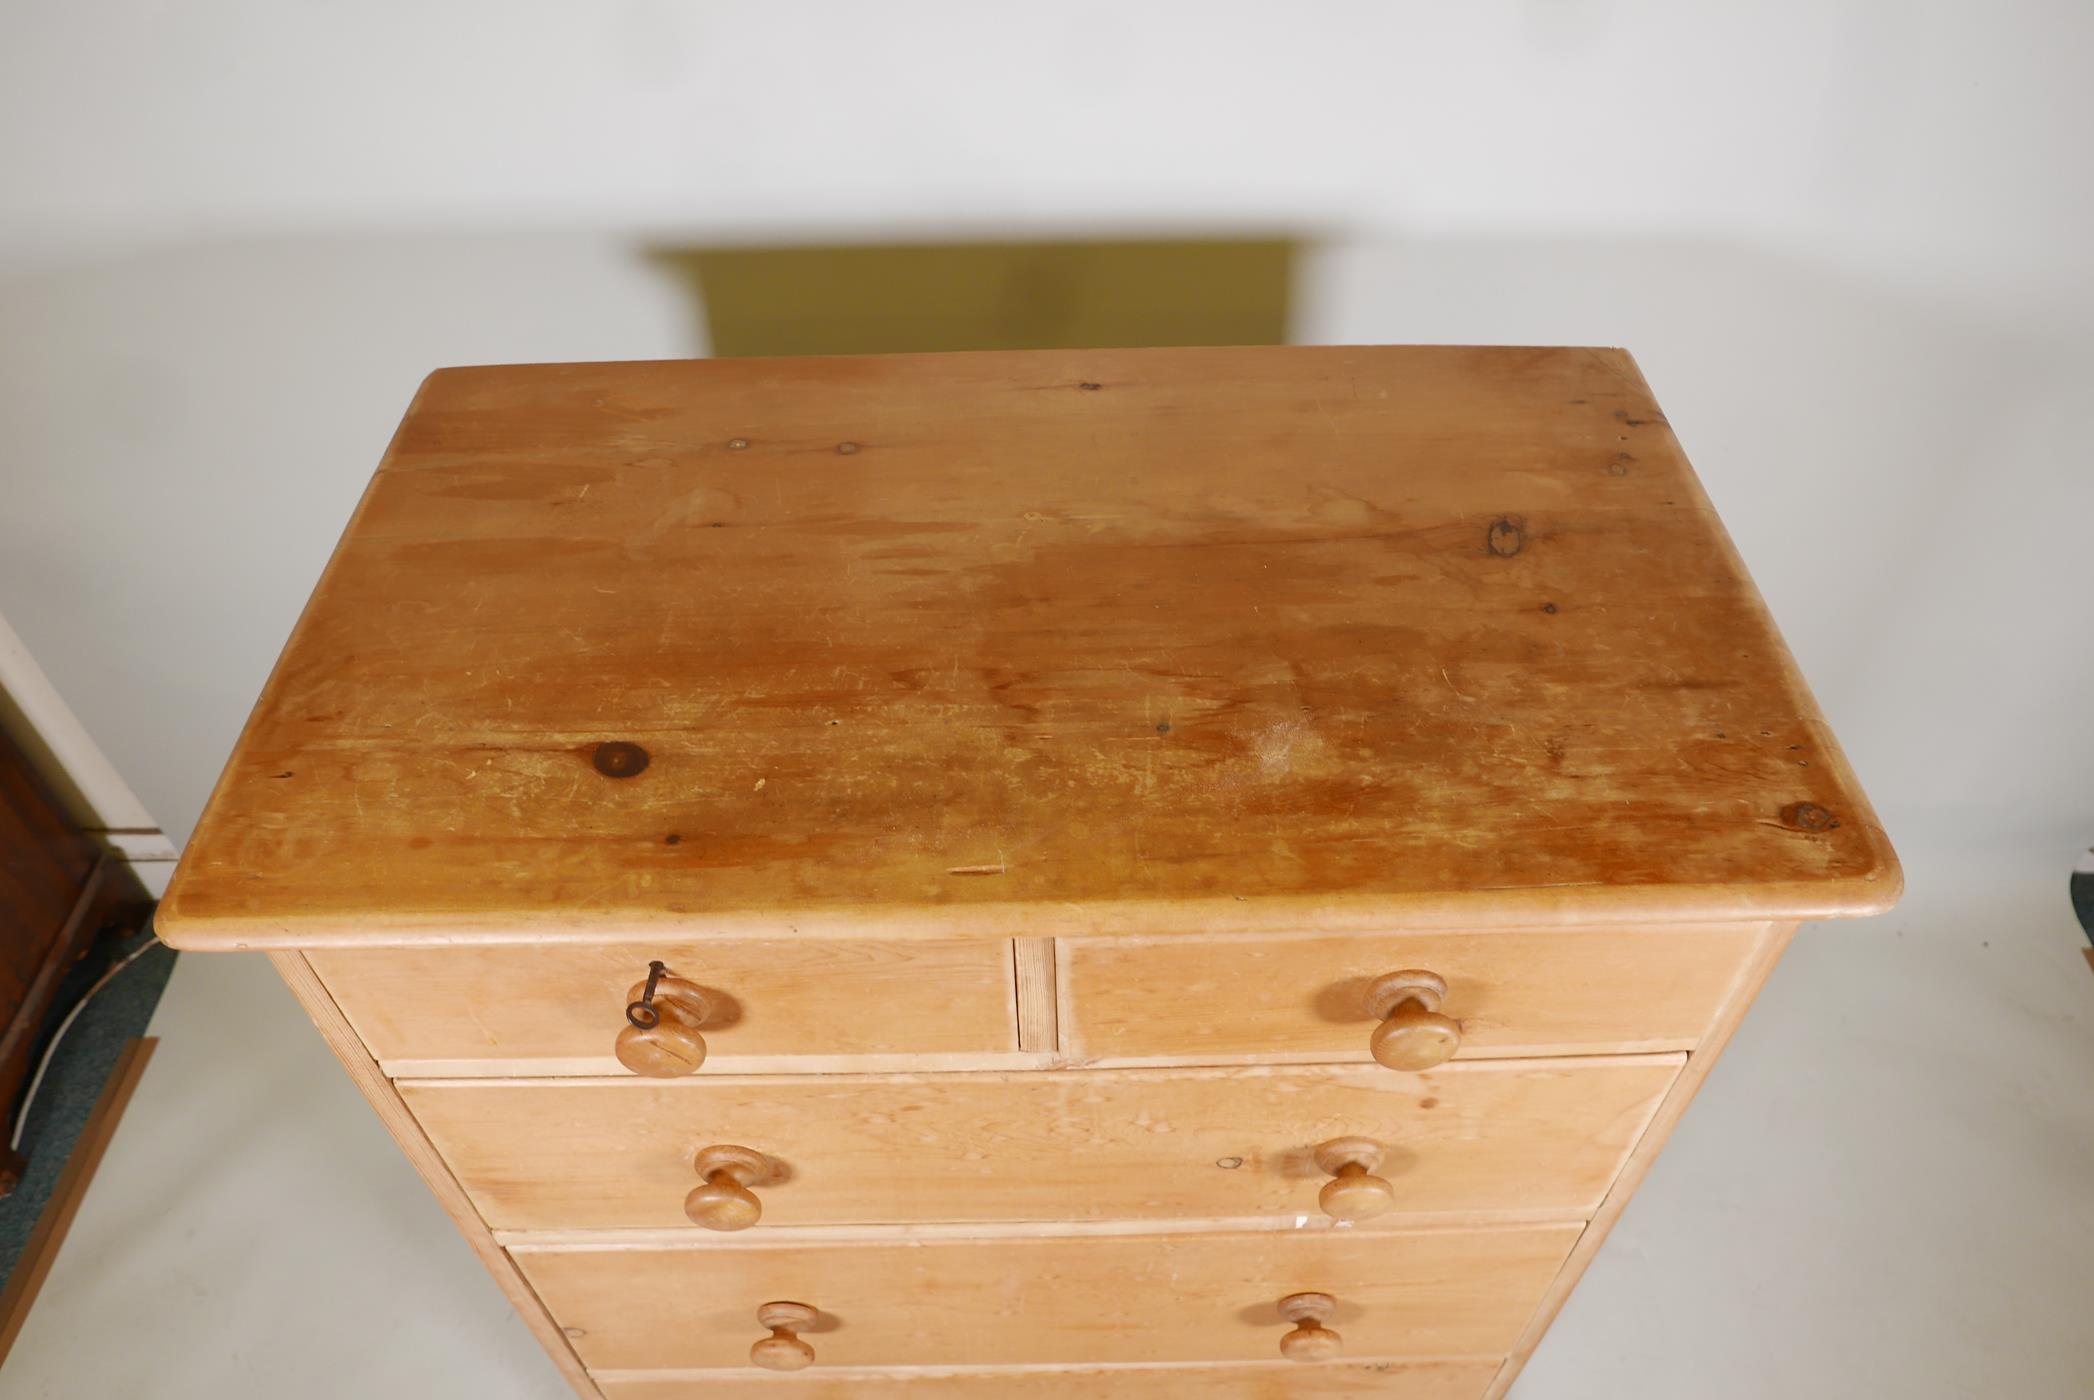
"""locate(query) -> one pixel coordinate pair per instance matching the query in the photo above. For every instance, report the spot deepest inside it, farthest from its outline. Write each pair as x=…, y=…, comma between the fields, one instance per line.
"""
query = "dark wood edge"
x=73, y=935
x=111, y=894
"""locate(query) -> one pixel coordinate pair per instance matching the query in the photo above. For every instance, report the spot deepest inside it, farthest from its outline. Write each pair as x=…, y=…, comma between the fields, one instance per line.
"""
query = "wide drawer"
x=978, y=1302
x=1227, y=999
x=1543, y=1137
x=1277, y=1380
x=558, y=1008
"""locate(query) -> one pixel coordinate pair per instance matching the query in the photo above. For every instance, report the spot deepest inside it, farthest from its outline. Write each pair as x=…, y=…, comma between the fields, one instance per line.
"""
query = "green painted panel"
x=989, y=296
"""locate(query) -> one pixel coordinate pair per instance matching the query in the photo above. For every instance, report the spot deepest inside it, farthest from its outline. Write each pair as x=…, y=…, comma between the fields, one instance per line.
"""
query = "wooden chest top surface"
x=1038, y=643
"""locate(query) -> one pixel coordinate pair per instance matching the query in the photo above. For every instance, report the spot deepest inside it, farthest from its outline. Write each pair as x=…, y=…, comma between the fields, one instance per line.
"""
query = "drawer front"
x=1156, y=1298
x=1279, y=1380
x=1225, y=1000
x=558, y=1009
x=1534, y=1136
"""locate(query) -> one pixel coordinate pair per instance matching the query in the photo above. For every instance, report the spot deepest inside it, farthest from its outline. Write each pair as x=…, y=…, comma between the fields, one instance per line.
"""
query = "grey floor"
x=1887, y=1188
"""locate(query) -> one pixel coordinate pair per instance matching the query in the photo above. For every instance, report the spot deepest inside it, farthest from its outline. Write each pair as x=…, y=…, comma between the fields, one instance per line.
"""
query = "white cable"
x=29, y=1097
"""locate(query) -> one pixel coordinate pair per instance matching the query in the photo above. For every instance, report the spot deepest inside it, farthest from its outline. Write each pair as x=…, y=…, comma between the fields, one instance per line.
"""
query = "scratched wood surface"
x=559, y=1010
x=1265, y=1380
x=1253, y=1000
x=1437, y=1294
x=1032, y=644
x=1539, y=1137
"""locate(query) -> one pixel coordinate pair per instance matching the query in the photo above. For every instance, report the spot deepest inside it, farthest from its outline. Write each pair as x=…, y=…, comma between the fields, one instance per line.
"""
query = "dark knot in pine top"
x=618, y=758
x=1808, y=816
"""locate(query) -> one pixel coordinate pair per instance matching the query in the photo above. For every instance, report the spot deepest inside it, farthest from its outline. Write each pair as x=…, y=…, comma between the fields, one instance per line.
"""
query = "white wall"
x=1933, y=143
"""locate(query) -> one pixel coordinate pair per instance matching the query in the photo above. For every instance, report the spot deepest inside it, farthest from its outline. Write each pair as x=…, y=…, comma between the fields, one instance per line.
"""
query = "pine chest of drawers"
x=1123, y=873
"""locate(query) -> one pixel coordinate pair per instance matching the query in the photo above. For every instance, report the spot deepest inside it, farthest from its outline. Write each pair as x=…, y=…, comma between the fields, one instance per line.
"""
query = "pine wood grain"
x=1039, y=1018
x=1242, y=999
x=1277, y=1380
x=995, y=714
x=1029, y=644
x=773, y=1000
x=1542, y=1137
x=1198, y=1297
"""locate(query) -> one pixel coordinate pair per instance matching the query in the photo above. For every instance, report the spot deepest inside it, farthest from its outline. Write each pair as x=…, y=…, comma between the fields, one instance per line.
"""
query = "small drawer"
x=1277, y=1380
x=1208, y=1297
x=1540, y=1137
x=537, y=1009
x=1239, y=1000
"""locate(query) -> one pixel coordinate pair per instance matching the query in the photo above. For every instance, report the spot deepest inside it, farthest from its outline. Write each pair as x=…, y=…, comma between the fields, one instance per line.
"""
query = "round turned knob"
x=783, y=1350
x=1412, y=1034
x=1353, y=1192
x=1310, y=1340
x=663, y=1014
x=724, y=1201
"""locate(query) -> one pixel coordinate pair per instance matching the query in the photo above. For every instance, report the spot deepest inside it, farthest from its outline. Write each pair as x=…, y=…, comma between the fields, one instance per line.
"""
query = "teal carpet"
x=86, y=1058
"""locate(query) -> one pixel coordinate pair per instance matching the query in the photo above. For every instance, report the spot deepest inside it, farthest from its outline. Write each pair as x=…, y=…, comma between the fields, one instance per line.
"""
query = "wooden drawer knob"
x=783, y=1350
x=662, y=1017
x=1413, y=1034
x=723, y=1200
x=1310, y=1340
x=1353, y=1192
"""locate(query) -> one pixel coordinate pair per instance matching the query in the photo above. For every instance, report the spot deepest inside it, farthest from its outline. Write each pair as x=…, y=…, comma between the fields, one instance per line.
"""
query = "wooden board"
x=1195, y=1297
x=1248, y=998
x=1541, y=1137
x=1039, y=1014
x=51, y=875
x=1029, y=644
x=774, y=1004
x=1276, y=1380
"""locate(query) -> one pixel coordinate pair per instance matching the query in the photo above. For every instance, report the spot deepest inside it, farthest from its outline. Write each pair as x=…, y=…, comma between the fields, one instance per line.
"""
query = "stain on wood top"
x=1033, y=643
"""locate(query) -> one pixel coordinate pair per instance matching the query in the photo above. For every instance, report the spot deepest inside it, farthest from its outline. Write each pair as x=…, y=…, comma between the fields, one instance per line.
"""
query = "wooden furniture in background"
x=1129, y=873
x=58, y=888
x=883, y=297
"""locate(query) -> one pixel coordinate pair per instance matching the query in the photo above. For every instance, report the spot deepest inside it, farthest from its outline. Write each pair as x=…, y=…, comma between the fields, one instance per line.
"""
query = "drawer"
x=1442, y=1295
x=1541, y=1137
x=1278, y=1380
x=1233, y=1000
x=558, y=1008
